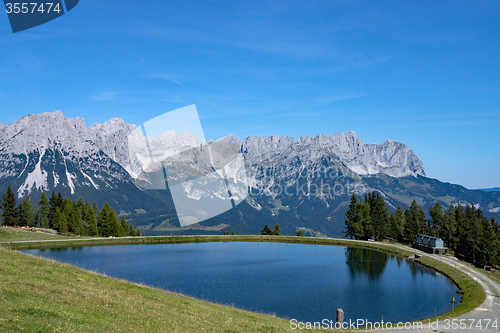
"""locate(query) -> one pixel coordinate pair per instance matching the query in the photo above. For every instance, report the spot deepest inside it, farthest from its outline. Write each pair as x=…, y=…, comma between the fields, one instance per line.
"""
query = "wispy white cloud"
x=168, y=77
x=262, y=31
x=105, y=96
x=165, y=76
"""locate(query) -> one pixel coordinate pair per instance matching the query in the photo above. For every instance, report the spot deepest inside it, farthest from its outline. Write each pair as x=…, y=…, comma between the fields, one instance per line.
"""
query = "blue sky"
x=424, y=73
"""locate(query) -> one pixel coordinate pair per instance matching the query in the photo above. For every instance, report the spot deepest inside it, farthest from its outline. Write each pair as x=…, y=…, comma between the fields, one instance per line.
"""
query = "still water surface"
x=305, y=282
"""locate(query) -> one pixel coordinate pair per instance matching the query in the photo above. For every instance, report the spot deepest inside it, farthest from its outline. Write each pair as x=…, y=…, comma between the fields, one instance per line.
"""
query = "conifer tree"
x=89, y=217
x=10, y=213
x=475, y=239
x=379, y=215
x=60, y=199
x=96, y=209
x=124, y=227
x=462, y=231
x=63, y=223
x=115, y=227
x=496, y=231
x=26, y=213
x=365, y=226
x=397, y=224
x=266, y=231
x=43, y=212
x=103, y=219
x=56, y=220
x=352, y=219
x=449, y=227
x=489, y=245
x=55, y=202
x=131, y=230
x=73, y=215
x=496, y=226
x=437, y=219
x=108, y=223
x=276, y=230
x=80, y=204
x=414, y=222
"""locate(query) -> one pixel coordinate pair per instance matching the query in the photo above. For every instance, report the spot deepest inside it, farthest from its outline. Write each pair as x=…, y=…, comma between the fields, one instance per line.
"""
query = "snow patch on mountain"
x=25, y=166
x=36, y=179
x=69, y=178
x=56, y=178
x=90, y=180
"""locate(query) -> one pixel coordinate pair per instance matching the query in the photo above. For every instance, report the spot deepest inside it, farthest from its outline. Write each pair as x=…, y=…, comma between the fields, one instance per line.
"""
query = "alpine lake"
x=293, y=281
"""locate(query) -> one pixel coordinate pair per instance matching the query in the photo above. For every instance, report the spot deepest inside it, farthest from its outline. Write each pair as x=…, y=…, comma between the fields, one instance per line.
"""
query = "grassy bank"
x=473, y=295
x=28, y=234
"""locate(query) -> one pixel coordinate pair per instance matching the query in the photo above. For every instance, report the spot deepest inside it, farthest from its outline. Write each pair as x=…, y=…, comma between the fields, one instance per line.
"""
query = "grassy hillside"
x=38, y=295
x=18, y=234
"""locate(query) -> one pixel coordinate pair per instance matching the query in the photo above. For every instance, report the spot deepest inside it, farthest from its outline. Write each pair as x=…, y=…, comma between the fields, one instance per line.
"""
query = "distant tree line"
x=64, y=216
x=465, y=230
x=267, y=231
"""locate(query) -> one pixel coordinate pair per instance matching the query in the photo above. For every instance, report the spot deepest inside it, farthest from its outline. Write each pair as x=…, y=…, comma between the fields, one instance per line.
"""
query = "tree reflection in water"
x=372, y=263
x=416, y=269
x=365, y=262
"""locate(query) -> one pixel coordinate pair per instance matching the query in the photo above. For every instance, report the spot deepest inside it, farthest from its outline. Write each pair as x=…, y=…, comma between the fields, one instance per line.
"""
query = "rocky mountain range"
x=296, y=183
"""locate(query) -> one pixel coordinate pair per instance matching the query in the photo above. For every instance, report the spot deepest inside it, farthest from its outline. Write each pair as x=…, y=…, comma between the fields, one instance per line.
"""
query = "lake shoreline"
x=461, y=280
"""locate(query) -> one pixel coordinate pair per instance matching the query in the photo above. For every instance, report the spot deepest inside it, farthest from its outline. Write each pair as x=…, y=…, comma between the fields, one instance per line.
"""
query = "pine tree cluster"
x=464, y=230
x=267, y=231
x=64, y=216
x=367, y=219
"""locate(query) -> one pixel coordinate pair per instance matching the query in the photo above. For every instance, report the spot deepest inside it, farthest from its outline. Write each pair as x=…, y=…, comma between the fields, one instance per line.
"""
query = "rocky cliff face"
x=391, y=158
x=48, y=150
x=104, y=162
x=41, y=139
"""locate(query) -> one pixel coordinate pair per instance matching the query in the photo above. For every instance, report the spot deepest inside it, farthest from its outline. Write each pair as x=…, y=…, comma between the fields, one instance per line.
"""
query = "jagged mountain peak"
x=68, y=139
x=110, y=125
x=230, y=138
x=56, y=116
x=351, y=134
x=36, y=132
x=115, y=124
x=51, y=150
x=392, y=158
